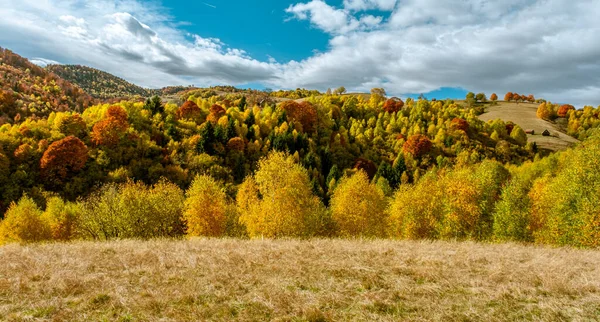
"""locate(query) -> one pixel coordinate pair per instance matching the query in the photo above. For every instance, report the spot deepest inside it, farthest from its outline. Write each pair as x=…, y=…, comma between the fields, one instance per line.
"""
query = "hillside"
x=524, y=114
x=290, y=280
x=29, y=90
x=98, y=83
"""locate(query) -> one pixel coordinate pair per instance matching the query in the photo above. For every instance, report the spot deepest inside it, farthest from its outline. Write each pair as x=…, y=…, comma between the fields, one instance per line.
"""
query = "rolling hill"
x=524, y=114
x=27, y=90
x=98, y=83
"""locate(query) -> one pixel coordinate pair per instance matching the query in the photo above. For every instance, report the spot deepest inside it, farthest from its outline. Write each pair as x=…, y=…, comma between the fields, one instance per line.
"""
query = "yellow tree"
x=358, y=207
x=205, y=208
x=278, y=200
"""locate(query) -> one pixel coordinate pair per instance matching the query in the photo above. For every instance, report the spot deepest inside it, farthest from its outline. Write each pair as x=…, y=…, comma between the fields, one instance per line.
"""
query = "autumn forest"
x=121, y=161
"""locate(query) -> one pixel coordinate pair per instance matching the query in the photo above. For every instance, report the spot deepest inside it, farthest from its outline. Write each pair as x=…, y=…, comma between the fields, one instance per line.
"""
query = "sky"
x=548, y=48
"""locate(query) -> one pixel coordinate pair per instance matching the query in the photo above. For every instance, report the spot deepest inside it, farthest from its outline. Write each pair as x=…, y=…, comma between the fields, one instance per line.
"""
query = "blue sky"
x=259, y=27
x=548, y=48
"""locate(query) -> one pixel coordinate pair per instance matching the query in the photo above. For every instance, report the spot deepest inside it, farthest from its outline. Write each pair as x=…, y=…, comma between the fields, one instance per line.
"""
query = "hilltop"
x=524, y=114
x=98, y=83
x=314, y=280
x=27, y=90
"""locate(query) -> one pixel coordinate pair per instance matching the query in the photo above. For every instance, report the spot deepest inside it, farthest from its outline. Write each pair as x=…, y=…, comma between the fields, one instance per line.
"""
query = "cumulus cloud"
x=330, y=19
x=545, y=47
x=359, y=5
x=114, y=36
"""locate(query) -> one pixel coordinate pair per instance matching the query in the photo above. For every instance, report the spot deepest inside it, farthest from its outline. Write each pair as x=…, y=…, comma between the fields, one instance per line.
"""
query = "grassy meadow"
x=297, y=280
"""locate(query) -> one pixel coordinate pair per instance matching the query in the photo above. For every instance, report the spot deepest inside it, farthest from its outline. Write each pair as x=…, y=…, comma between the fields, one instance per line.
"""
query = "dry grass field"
x=524, y=114
x=290, y=280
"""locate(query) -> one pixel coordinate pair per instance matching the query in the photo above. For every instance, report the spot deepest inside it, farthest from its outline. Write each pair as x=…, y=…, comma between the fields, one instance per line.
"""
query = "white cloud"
x=545, y=47
x=360, y=5
x=330, y=19
x=43, y=62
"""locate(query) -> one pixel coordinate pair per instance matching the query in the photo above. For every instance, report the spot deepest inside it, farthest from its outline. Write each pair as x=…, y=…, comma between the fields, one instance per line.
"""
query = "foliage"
x=278, y=201
x=97, y=83
x=62, y=159
x=449, y=204
x=63, y=218
x=417, y=145
x=133, y=210
x=110, y=130
x=189, y=110
x=518, y=135
x=358, y=207
x=304, y=113
x=393, y=104
x=205, y=208
x=27, y=90
x=565, y=109
x=24, y=223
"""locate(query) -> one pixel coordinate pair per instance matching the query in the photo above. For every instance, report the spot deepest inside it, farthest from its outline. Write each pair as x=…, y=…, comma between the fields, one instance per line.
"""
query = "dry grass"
x=524, y=114
x=289, y=280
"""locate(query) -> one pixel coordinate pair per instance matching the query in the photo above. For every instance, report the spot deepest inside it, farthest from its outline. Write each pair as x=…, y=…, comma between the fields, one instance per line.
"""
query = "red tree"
x=564, y=110
x=508, y=97
x=494, y=97
x=189, y=110
x=392, y=105
x=216, y=112
x=367, y=166
x=417, y=145
x=460, y=124
x=62, y=159
x=303, y=112
x=110, y=130
x=516, y=97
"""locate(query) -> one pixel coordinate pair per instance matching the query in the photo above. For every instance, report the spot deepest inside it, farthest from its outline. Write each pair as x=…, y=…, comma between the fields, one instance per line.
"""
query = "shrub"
x=24, y=223
x=449, y=204
x=133, y=210
x=63, y=218
x=358, y=207
x=205, y=208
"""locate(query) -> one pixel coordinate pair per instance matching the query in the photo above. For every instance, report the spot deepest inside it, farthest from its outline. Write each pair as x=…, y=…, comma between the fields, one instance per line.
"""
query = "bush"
x=24, y=223
x=133, y=210
x=358, y=207
x=453, y=204
x=63, y=218
x=205, y=208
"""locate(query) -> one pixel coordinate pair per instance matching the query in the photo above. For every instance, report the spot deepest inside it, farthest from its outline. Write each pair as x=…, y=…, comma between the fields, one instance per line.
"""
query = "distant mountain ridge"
x=27, y=90
x=99, y=84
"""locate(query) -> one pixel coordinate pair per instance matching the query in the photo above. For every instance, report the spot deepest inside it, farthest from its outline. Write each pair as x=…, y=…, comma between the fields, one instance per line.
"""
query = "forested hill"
x=27, y=90
x=98, y=83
